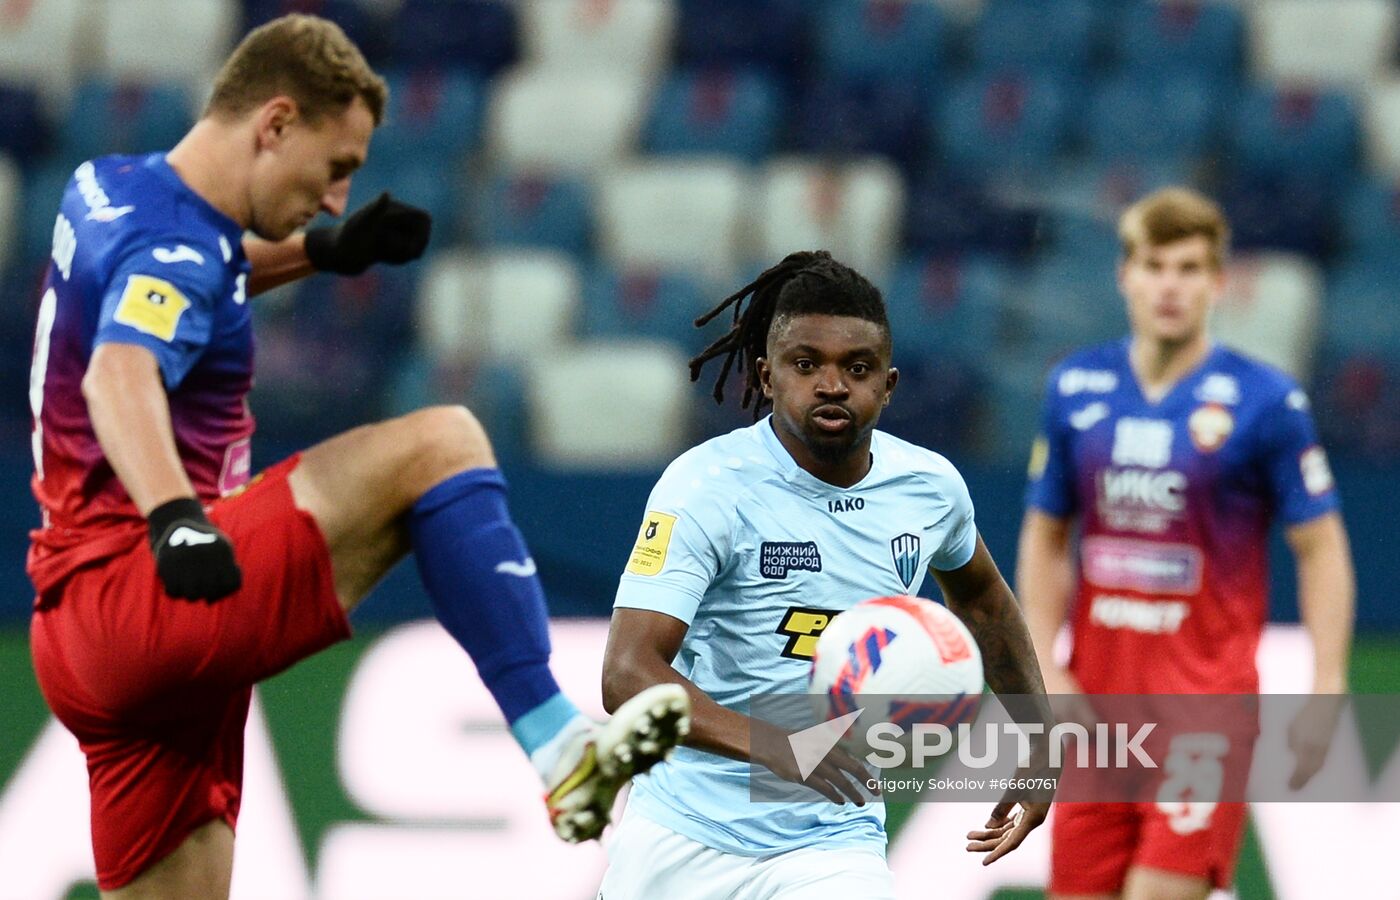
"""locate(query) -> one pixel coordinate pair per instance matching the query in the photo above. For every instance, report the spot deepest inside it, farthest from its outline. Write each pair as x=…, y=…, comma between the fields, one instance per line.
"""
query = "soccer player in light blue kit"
x=751, y=543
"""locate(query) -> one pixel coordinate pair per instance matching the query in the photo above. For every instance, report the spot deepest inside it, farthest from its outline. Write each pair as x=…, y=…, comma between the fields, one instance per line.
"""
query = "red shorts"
x=157, y=689
x=1093, y=845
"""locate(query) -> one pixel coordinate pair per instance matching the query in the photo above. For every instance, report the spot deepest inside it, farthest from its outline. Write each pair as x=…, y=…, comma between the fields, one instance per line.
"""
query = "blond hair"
x=1173, y=214
x=306, y=58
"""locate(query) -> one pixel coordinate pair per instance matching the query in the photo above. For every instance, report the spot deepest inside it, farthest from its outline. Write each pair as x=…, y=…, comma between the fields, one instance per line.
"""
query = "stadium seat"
x=610, y=405
x=642, y=303
x=107, y=117
x=1202, y=37
x=1305, y=224
x=1035, y=36
x=1071, y=299
x=1003, y=123
x=684, y=217
x=422, y=182
x=24, y=131
x=854, y=210
x=166, y=40
x=1383, y=126
x=731, y=33
x=1010, y=417
x=952, y=215
x=843, y=119
x=1271, y=310
x=938, y=396
x=717, y=112
x=507, y=304
x=864, y=40
x=1358, y=397
x=42, y=192
x=1371, y=218
x=39, y=43
x=951, y=304
x=493, y=390
x=479, y=35
x=583, y=35
x=1357, y=405
x=552, y=120
x=528, y=210
x=11, y=198
x=1082, y=201
x=370, y=313
x=1323, y=42
x=354, y=329
x=363, y=21
x=1152, y=117
x=1299, y=132
x=432, y=113
x=1359, y=317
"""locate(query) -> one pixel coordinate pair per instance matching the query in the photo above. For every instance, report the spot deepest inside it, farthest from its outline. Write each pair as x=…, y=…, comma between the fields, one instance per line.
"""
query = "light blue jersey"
x=757, y=555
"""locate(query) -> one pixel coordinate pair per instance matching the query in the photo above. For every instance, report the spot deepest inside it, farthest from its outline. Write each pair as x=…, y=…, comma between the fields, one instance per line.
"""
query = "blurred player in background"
x=1174, y=455
x=751, y=542
x=168, y=583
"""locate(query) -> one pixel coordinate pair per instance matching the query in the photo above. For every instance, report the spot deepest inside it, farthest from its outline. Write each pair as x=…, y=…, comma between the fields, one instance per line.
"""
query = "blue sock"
x=482, y=583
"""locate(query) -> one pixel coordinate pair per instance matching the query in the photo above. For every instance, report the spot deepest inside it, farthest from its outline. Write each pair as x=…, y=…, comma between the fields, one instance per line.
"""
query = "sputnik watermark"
x=1112, y=745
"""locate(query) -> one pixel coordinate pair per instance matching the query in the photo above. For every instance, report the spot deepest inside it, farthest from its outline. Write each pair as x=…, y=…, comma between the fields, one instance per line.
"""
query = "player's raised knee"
x=447, y=440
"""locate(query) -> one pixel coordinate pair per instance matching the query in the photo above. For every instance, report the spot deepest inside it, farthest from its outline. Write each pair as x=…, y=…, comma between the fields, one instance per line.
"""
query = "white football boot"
x=602, y=759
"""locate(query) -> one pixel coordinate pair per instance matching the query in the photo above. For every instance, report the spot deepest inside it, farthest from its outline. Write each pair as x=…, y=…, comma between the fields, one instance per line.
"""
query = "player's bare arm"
x=276, y=263
x=1327, y=601
x=131, y=416
x=1044, y=585
x=983, y=600
x=641, y=646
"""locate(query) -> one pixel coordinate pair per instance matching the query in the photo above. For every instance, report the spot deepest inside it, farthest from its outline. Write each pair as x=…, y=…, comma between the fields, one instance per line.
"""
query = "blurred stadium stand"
x=603, y=171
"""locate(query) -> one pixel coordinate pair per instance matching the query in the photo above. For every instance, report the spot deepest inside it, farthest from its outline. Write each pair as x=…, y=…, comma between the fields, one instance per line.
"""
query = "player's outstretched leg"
x=428, y=482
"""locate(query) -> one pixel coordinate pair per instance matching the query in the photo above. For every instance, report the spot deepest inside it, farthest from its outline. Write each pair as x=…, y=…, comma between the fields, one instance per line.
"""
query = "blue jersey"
x=1174, y=499
x=138, y=258
x=757, y=555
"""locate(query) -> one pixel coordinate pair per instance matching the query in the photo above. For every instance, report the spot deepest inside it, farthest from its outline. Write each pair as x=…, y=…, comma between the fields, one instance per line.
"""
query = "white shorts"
x=647, y=861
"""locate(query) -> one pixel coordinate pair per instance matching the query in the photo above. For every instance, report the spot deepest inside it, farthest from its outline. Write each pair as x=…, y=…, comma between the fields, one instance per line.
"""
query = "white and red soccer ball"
x=903, y=659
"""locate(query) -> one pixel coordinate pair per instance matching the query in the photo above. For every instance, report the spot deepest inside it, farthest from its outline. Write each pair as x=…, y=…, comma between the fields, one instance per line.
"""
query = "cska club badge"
x=1210, y=427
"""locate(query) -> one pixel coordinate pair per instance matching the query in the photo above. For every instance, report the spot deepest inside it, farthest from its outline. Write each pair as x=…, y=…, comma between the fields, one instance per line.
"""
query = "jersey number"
x=48, y=308
x=1195, y=777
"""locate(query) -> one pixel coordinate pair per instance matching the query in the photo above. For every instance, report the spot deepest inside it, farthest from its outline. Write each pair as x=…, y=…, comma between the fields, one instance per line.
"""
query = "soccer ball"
x=904, y=659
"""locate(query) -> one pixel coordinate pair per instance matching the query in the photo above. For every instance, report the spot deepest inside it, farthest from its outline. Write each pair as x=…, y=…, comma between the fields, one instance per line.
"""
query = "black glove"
x=194, y=559
x=383, y=230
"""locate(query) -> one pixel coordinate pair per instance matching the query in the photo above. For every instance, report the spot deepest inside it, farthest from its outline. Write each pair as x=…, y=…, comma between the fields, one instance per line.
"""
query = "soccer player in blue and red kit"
x=167, y=581
x=1175, y=455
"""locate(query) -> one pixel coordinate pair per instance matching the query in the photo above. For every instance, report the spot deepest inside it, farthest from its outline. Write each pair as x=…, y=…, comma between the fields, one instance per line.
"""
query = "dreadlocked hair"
x=805, y=283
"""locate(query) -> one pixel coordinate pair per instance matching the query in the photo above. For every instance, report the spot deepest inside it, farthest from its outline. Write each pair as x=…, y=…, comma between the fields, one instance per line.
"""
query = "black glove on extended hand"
x=384, y=230
x=194, y=559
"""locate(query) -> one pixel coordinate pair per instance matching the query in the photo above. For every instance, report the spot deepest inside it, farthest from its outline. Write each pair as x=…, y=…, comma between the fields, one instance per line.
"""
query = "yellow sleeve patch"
x=152, y=305
x=653, y=540
x=1040, y=455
